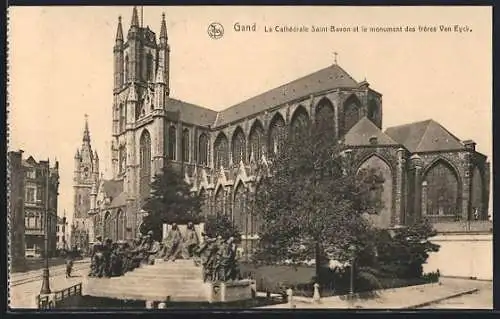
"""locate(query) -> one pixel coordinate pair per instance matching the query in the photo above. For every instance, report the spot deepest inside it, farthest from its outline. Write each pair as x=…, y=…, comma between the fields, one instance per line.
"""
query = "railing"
x=45, y=302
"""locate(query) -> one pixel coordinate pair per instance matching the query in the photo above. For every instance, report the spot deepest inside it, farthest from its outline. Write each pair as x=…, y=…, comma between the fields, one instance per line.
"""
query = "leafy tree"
x=404, y=253
x=221, y=225
x=171, y=201
x=313, y=205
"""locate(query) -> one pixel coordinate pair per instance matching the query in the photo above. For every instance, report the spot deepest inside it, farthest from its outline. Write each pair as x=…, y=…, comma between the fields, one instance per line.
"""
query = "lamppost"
x=352, y=253
x=46, y=275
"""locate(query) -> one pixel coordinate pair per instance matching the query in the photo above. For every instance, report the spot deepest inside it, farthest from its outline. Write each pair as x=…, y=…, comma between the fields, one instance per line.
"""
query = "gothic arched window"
x=219, y=202
x=203, y=149
x=373, y=110
x=351, y=113
x=442, y=190
x=221, y=156
x=256, y=141
x=238, y=146
x=239, y=212
x=122, y=158
x=172, y=142
x=300, y=121
x=145, y=164
x=325, y=115
x=126, y=74
x=277, y=134
x=204, y=202
x=149, y=67
x=107, y=225
x=120, y=225
x=185, y=145
x=123, y=119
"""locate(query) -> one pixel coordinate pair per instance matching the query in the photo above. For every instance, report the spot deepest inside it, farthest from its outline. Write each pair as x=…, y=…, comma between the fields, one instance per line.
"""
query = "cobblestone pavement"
x=24, y=295
x=483, y=299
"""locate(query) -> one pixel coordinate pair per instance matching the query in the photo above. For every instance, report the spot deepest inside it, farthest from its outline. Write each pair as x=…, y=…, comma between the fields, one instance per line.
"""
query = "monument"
x=189, y=267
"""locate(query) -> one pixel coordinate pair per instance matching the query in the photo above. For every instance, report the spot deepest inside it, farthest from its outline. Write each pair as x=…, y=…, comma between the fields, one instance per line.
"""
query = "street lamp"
x=352, y=252
x=46, y=275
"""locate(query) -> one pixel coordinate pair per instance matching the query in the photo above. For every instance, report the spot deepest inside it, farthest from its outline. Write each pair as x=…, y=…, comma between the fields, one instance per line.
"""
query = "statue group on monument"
x=217, y=255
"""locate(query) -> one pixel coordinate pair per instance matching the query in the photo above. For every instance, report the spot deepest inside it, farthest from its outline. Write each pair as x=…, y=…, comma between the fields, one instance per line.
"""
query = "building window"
x=31, y=173
x=145, y=164
x=185, y=145
x=31, y=194
x=238, y=146
x=221, y=156
x=239, y=212
x=203, y=149
x=149, y=67
x=442, y=190
x=172, y=136
x=256, y=141
x=123, y=117
x=276, y=134
x=204, y=202
x=300, y=121
x=325, y=115
x=122, y=154
x=125, y=70
x=219, y=203
x=351, y=113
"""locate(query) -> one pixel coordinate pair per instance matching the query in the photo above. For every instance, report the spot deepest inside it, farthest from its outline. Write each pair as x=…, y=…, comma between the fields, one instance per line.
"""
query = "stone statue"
x=191, y=241
x=173, y=244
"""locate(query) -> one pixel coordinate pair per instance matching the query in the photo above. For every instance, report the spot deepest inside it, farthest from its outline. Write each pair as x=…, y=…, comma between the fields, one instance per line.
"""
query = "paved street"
x=483, y=299
x=23, y=292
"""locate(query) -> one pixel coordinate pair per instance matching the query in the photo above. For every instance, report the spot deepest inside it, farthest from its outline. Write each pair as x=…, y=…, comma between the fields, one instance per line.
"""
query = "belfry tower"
x=85, y=174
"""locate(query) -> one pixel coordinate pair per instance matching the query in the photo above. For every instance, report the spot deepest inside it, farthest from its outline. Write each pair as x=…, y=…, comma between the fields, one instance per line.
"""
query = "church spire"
x=163, y=31
x=119, y=30
x=86, y=133
x=135, y=18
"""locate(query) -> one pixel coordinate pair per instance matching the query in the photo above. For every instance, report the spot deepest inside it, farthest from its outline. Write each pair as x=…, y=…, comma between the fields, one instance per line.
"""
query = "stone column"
x=399, y=206
x=417, y=200
x=424, y=198
x=466, y=186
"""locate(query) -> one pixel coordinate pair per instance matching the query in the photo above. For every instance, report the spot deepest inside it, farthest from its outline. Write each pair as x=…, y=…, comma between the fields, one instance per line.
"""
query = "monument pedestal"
x=167, y=281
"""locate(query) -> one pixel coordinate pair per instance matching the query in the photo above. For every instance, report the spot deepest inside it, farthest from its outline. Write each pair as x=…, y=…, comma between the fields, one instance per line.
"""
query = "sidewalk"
x=24, y=295
x=399, y=298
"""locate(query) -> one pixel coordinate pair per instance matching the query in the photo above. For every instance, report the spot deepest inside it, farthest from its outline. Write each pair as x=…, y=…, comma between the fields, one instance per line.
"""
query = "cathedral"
x=427, y=170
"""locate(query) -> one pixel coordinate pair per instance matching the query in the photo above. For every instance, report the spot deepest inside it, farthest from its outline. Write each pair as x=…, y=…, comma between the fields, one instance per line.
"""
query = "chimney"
x=470, y=145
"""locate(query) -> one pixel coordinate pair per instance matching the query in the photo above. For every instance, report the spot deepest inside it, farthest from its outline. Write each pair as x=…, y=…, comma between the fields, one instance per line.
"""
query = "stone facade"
x=16, y=210
x=40, y=185
x=223, y=153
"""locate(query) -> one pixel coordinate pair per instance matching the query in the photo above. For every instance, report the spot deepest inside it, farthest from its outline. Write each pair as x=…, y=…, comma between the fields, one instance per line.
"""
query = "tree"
x=313, y=204
x=171, y=201
x=221, y=225
x=404, y=253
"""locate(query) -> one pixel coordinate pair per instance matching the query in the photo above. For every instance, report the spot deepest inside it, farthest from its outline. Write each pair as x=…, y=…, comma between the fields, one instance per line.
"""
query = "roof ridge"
x=446, y=130
x=408, y=124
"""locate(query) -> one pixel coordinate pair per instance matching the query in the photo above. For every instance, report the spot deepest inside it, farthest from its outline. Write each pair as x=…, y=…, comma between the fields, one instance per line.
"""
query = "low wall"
x=463, y=255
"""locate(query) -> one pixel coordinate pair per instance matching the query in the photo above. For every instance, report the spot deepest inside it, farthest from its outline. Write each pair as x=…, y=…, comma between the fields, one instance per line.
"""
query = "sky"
x=60, y=66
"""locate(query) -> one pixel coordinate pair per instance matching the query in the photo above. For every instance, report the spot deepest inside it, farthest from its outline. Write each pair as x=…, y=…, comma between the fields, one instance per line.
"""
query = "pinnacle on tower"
x=160, y=77
x=135, y=18
x=119, y=31
x=86, y=133
x=163, y=31
x=77, y=154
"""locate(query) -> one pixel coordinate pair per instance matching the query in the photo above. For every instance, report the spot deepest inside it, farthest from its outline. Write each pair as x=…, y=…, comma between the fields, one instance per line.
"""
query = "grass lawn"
x=272, y=277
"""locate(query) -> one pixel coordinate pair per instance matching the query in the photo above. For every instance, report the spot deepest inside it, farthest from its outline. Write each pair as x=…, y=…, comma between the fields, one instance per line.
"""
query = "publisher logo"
x=215, y=30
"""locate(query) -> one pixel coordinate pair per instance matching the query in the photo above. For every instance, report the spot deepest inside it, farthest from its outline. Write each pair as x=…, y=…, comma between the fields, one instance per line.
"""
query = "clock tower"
x=86, y=173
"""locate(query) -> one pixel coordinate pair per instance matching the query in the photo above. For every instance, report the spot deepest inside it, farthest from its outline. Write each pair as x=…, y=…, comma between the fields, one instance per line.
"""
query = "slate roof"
x=363, y=130
x=112, y=188
x=191, y=113
x=424, y=136
x=327, y=78
x=118, y=201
